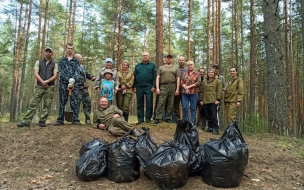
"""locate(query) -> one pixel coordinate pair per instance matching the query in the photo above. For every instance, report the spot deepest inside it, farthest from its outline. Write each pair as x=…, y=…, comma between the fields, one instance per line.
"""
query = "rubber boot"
x=204, y=123
x=126, y=116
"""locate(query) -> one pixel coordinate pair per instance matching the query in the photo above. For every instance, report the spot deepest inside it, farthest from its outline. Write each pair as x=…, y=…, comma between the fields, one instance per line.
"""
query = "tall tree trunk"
x=24, y=58
x=293, y=91
x=219, y=31
x=159, y=33
x=119, y=25
x=236, y=32
x=214, y=31
x=39, y=31
x=288, y=66
x=70, y=21
x=189, y=30
x=46, y=12
x=169, y=28
x=302, y=52
x=253, y=61
x=14, y=89
x=82, y=27
x=73, y=27
x=276, y=91
x=208, y=34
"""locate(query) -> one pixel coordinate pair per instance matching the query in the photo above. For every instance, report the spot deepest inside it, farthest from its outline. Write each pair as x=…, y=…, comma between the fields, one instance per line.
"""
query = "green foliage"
x=254, y=123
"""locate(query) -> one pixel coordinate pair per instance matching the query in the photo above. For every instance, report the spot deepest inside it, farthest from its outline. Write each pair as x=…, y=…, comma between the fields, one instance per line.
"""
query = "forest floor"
x=44, y=158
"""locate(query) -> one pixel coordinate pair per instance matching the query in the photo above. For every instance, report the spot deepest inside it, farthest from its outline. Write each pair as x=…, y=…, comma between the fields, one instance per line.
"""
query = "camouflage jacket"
x=68, y=69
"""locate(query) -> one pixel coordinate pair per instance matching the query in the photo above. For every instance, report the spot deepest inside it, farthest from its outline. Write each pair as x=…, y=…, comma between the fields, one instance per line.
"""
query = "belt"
x=167, y=83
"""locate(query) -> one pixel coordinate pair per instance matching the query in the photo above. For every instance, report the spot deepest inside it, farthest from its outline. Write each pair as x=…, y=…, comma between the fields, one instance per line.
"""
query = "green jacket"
x=145, y=75
x=210, y=91
x=234, y=91
x=127, y=79
x=105, y=116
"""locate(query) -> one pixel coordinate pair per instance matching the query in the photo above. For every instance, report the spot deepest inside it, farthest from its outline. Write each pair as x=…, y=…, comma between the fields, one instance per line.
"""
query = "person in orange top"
x=190, y=89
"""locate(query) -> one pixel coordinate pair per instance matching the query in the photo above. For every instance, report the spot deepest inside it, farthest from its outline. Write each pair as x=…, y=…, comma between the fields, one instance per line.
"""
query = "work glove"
x=71, y=82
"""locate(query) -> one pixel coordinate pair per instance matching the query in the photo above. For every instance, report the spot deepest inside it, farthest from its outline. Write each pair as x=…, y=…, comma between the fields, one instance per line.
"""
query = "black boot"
x=126, y=116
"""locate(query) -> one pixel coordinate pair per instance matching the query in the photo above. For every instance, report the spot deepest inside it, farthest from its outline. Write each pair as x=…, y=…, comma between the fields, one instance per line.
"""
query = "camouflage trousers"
x=63, y=98
x=40, y=92
x=84, y=98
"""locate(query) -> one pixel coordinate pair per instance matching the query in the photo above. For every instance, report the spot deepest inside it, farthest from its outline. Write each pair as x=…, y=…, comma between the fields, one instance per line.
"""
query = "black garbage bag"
x=225, y=159
x=93, y=163
x=123, y=165
x=168, y=167
x=145, y=146
x=187, y=134
x=89, y=145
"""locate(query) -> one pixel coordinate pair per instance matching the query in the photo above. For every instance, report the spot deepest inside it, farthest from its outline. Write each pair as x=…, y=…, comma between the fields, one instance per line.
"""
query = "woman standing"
x=210, y=97
x=124, y=93
x=190, y=84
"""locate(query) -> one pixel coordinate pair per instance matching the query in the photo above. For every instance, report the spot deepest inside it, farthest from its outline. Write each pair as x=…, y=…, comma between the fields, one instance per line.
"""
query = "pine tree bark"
x=276, y=91
x=189, y=30
x=24, y=58
x=159, y=32
x=44, y=27
x=208, y=33
x=14, y=90
x=119, y=25
x=253, y=61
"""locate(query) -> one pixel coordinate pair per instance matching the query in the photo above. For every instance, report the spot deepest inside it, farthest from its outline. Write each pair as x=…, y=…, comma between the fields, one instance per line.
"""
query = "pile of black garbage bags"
x=220, y=163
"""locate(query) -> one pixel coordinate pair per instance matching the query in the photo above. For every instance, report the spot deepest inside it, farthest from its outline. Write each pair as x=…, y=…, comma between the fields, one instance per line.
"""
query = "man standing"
x=108, y=64
x=45, y=72
x=178, y=98
x=167, y=86
x=216, y=69
x=83, y=96
x=201, y=118
x=233, y=95
x=69, y=69
x=110, y=118
x=144, y=85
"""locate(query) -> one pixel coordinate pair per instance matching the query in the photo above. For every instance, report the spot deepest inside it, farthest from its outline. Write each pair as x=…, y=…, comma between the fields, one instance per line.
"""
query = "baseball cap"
x=48, y=48
x=216, y=65
x=169, y=55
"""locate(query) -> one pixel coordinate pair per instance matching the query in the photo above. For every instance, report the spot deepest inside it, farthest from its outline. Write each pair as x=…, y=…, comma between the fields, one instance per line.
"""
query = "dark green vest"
x=46, y=71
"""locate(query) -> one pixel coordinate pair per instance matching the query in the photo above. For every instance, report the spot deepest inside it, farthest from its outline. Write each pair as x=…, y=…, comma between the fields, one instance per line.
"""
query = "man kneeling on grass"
x=110, y=118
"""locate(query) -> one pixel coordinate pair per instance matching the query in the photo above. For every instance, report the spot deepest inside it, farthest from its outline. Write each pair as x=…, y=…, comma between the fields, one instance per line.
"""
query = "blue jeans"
x=192, y=98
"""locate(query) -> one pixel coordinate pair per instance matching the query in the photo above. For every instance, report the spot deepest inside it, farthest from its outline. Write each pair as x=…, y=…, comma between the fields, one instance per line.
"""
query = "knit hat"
x=109, y=60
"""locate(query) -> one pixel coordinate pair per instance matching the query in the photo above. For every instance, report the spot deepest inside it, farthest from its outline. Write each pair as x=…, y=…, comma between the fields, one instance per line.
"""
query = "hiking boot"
x=136, y=132
x=215, y=132
x=208, y=130
x=156, y=122
x=148, y=121
x=138, y=123
x=76, y=123
x=22, y=124
x=88, y=122
x=58, y=123
x=42, y=124
x=168, y=121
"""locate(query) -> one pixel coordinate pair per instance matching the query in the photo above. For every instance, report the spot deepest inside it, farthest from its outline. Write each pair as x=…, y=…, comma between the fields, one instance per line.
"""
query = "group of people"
x=173, y=85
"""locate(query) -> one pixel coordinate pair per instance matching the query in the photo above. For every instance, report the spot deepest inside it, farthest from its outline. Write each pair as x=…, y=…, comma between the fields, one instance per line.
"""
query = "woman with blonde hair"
x=190, y=88
x=125, y=93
